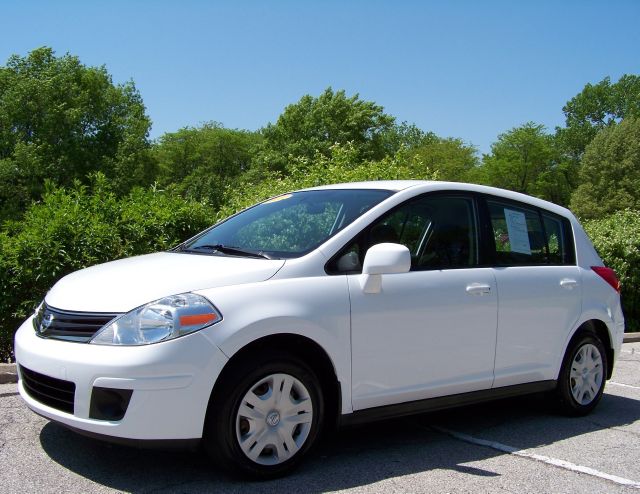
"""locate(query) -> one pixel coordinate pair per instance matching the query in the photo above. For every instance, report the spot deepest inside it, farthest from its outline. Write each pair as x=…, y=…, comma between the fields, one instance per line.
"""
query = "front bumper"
x=171, y=382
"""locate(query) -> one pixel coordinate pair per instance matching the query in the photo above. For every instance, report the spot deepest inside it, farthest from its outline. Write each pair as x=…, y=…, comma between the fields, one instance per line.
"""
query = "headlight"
x=162, y=320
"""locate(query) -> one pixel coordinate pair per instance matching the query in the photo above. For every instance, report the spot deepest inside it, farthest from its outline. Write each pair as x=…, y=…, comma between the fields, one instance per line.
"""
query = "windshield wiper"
x=226, y=249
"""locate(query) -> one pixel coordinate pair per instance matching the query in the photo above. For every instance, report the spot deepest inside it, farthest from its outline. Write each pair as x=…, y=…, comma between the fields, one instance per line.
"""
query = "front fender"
x=314, y=307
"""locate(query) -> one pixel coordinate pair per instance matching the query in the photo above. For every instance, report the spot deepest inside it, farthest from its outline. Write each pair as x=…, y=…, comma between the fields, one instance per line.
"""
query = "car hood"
x=120, y=286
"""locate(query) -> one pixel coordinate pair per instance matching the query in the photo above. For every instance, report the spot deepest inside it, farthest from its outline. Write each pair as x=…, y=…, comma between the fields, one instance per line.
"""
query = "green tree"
x=526, y=159
x=598, y=106
x=404, y=136
x=340, y=166
x=610, y=172
x=314, y=125
x=200, y=162
x=61, y=120
x=451, y=158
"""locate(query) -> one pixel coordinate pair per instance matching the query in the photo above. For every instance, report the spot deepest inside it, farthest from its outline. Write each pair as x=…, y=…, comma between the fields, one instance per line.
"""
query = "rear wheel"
x=268, y=419
x=583, y=375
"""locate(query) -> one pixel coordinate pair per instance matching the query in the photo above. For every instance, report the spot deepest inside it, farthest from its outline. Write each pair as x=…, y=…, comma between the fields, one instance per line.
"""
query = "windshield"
x=287, y=226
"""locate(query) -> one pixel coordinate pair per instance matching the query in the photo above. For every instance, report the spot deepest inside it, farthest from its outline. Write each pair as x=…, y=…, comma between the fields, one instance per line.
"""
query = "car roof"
x=426, y=185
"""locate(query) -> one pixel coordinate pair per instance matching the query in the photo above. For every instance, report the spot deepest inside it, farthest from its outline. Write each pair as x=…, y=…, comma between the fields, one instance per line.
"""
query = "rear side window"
x=525, y=237
x=518, y=234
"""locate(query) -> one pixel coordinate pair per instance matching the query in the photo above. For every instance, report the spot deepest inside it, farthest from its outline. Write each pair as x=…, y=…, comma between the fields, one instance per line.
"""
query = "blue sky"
x=467, y=69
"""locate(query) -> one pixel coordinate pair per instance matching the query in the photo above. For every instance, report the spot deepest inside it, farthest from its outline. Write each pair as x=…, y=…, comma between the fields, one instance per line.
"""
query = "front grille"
x=50, y=391
x=67, y=325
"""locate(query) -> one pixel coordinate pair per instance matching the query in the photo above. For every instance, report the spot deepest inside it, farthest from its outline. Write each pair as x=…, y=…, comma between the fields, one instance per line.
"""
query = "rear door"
x=539, y=290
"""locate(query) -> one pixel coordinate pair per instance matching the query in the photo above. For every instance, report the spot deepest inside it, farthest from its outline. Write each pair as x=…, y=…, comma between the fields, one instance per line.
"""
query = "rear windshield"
x=289, y=225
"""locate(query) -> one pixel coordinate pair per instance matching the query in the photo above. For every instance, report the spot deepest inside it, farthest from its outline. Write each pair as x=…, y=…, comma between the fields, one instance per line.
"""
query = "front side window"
x=287, y=226
x=439, y=231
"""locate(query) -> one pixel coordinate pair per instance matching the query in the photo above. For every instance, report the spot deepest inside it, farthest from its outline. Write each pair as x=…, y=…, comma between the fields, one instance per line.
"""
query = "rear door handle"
x=478, y=289
x=568, y=283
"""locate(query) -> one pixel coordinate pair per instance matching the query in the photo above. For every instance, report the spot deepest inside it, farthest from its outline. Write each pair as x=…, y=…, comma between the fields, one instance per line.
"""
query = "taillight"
x=608, y=275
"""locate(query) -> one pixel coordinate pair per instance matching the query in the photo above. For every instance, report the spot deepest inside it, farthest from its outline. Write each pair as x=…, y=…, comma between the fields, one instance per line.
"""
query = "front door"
x=432, y=331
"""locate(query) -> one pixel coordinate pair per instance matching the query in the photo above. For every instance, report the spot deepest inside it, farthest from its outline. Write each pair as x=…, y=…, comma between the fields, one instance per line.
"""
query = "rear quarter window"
x=559, y=239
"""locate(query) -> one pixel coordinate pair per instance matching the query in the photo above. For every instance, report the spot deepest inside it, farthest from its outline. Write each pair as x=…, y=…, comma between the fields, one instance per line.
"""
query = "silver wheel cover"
x=586, y=377
x=274, y=419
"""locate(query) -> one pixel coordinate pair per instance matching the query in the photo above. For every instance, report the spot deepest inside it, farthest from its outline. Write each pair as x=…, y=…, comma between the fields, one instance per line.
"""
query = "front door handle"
x=568, y=283
x=478, y=289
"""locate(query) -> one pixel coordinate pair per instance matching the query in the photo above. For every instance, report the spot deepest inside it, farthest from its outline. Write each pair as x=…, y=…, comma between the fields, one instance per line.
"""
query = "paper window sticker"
x=518, y=234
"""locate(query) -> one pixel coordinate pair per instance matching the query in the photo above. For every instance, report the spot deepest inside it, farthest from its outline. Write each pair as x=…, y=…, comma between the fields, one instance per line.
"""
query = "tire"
x=269, y=417
x=582, y=376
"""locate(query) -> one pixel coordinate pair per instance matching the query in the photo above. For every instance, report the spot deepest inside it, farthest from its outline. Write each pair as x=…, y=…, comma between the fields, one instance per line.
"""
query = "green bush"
x=617, y=240
x=77, y=227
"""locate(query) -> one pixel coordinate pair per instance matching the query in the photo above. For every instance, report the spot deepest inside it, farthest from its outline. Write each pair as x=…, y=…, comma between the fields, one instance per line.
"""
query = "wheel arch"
x=602, y=331
x=308, y=350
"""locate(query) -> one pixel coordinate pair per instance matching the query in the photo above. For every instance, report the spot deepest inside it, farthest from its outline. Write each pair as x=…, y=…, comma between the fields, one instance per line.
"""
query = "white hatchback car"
x=331, y=305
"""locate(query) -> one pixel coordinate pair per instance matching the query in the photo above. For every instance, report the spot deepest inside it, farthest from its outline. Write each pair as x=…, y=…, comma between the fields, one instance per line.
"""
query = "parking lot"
x=515, y=445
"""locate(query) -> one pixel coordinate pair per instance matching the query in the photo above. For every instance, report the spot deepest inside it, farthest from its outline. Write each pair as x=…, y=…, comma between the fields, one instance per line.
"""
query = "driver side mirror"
x=382, y=259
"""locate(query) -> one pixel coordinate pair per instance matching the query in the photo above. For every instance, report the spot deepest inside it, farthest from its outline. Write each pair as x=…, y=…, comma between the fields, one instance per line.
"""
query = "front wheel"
x=583, y=374
x=268, y=419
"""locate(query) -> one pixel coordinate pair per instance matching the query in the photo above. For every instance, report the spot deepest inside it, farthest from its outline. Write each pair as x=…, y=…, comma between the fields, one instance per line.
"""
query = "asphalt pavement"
x=515, y=445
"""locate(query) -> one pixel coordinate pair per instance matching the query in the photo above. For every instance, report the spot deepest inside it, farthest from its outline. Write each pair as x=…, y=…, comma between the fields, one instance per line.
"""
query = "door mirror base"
x=371, y=283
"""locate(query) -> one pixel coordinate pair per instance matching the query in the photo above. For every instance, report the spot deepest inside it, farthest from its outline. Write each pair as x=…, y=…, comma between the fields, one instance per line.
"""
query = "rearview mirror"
x=382, y=259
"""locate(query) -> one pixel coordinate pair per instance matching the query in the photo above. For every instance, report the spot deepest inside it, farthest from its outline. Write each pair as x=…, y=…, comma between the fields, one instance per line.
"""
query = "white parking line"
x=623, y=385
x=541, y=458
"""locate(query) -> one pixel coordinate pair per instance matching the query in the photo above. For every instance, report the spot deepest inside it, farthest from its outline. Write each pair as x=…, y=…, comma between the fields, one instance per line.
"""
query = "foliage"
x=76, y=227
x=617, y=240
x=314, y=125
x=61, y=120
x=526, y=160
x=404, y=136
x=610, y=172
x=200, y=162
x=451, y=158
x=336, y=168
x=596, y=107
